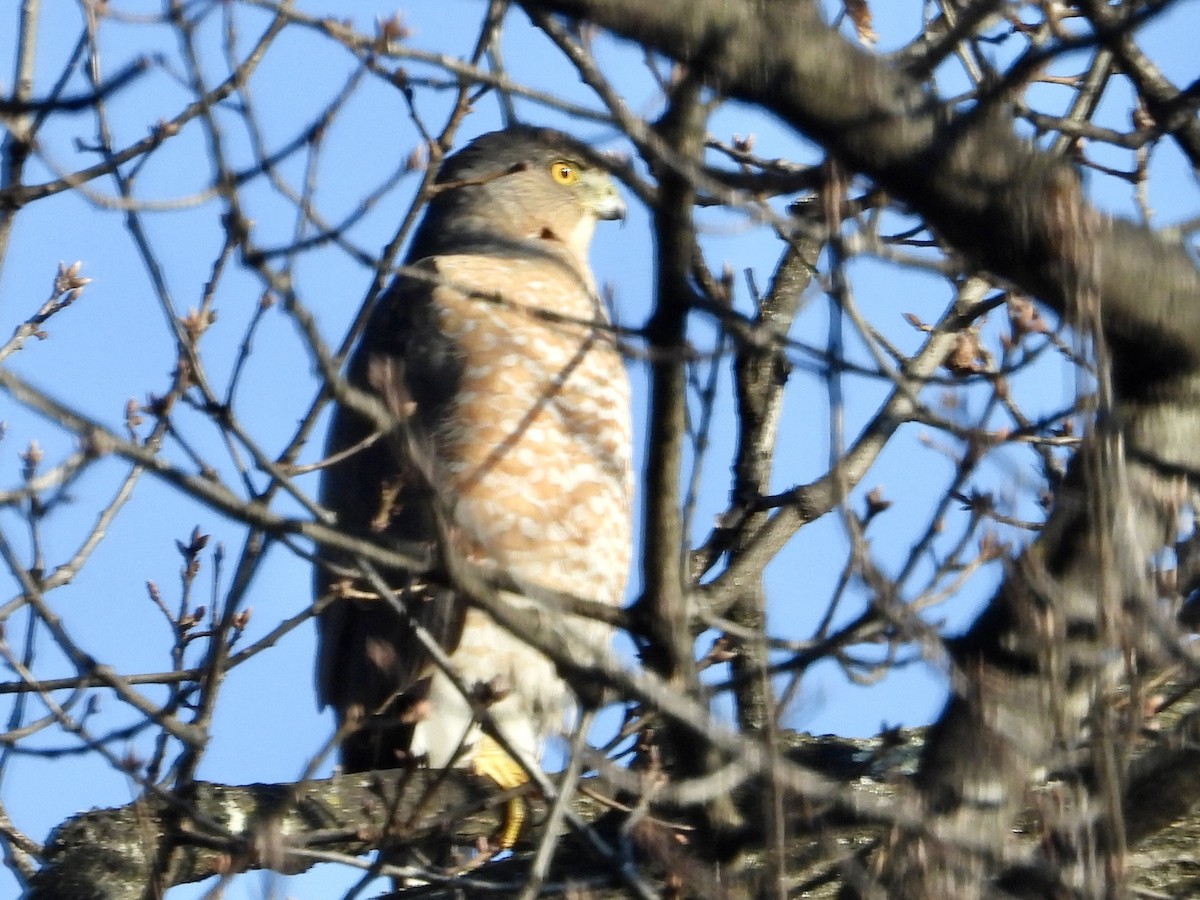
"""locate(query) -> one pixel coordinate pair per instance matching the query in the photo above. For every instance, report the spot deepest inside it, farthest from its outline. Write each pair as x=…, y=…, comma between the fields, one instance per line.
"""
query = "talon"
x=514, y=818
x=492, y=762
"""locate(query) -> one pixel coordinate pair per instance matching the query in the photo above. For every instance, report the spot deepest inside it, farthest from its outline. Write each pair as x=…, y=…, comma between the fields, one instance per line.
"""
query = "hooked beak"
x=606, y=201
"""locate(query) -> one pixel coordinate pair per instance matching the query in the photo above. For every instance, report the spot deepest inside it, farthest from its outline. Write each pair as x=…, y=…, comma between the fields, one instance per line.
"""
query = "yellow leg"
x=491, y=761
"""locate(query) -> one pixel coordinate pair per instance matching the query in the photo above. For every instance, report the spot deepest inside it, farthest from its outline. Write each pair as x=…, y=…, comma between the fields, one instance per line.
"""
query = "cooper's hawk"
x=495, y=356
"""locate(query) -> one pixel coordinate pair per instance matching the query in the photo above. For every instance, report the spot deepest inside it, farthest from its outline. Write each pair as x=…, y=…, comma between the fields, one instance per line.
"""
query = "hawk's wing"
x=371, y=667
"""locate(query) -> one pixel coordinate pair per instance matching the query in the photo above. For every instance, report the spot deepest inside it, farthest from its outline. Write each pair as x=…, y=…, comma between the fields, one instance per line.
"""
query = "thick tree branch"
x=109, y=854
x=113, y=854
x=988, y=193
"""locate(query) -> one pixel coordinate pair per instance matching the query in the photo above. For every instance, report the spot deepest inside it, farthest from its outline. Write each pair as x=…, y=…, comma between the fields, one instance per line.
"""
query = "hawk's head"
x=519, y=185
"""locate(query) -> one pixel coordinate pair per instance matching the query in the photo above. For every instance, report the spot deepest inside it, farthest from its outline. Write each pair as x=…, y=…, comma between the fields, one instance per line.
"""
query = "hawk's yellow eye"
x=564, y=172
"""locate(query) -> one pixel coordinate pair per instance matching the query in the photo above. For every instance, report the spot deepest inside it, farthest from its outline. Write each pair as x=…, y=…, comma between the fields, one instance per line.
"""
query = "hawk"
x=495, y=354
